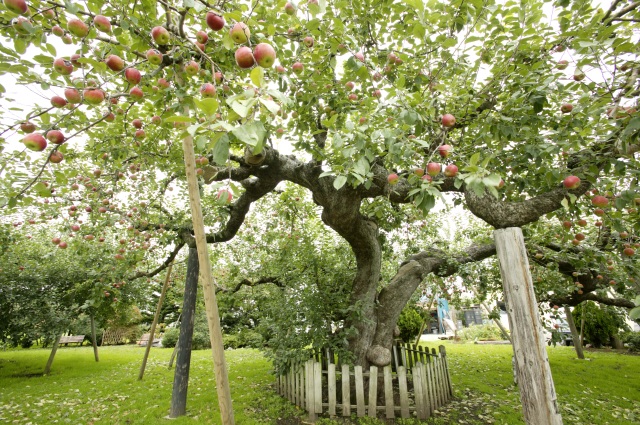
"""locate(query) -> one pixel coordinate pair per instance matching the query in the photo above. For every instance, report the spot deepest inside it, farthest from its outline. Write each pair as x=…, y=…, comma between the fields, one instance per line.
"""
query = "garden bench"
x=144, y=340
x=70, y=339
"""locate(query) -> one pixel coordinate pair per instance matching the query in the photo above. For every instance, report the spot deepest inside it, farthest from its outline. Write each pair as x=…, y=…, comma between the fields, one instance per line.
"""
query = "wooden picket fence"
x=416, y=382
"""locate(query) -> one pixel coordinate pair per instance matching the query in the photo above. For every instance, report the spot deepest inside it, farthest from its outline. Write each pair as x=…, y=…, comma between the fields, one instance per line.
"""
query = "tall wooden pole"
x=574, y=332
x=537, y=391
x=156, y=316
x=56, y=343
x=211, y=303
x=94, y=341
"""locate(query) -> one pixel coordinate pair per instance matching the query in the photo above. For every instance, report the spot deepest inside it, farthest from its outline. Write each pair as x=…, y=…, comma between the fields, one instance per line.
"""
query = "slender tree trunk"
x=56, y=343
x=183, y=363
x=584, y=313
x=574, y=333
x=537, y=391
x=152, y=331
x=94, y=341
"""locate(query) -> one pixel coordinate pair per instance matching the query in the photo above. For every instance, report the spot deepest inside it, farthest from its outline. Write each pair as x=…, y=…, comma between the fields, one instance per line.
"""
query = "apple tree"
x=515, y=112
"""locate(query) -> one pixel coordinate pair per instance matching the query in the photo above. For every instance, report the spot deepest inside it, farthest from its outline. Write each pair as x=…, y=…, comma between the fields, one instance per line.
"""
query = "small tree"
x=601, y=323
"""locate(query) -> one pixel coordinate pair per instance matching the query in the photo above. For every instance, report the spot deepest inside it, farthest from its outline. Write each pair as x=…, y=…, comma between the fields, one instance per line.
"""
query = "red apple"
x=433, y=169
x=156, y=120
x=17, y=6
x=77, y=27
x=393, y=179
x=240, y=33
x=102, y=23
x=308, y=41
x=580, y=236
x=55, y=241
x=63, y=66
x=58, y=101
x=624, y=234
x=66, y=39
x=57, y=30
x=224, y=197
x=28, y=127
x=160, y=35
x=132, y=76
x=115, y=63
x=448, y=120
x=264, y=55
x=567, y=224
x=566, y=108
x=599, y=212
x=599, y=201
x=136, y=93
x=208, y=90
x=140, y=134
x=352, y=97
x=154, y=56
x=93, y=96
x=62, y=245
x=349, y=85
x=244, y=57
x=289, y=8
x=202, y=37
x=451, y=170
x=137, y=123
x=55, y=136
x=55, y=157
x=280, y=69
x=359, y=57
x=163, y=84
x=109, y=116
x=582, y=222
x=376, y=93
x=629, y=252
x=444, y=150
x=72, y=95
x=215, y=21
x=192, y=68
x=578, y=76
x=571, y=182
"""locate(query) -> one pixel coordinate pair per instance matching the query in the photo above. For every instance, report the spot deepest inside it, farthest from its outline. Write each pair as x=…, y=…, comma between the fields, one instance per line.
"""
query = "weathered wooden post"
x=156, y=316
x=211, y=304
x=537, y=392
x=574, y=332
x=94, y=342
x=54, y=349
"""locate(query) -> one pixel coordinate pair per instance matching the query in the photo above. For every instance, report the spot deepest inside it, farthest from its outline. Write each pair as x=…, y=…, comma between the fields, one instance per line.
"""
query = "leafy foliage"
x=601, y=323
x=409, y=322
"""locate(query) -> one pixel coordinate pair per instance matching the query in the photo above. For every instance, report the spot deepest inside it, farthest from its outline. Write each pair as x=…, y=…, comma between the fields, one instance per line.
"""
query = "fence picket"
x=310, y=390
x=388, y=393
x=404, y=395
x=346, y=391
x=359, y=391
x=373, y=391
x=331, y=388
x=443, y=354
x=317, y=381
x=417, y=390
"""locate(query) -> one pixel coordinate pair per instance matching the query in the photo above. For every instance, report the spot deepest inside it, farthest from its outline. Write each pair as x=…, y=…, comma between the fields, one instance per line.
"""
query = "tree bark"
x=94, y=342
x=183, y=345
x=574, y=332
x=152, y=331
x=537, y=392
x=56, y=343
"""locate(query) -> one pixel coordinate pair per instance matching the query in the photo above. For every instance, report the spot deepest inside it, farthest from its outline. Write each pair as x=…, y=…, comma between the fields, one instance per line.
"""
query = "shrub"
x=170, y=337
x=201, y=340
x=601, y=323
x=230, y=341
x=409, y=323
x=482, y=332
x=250, y=338
x=632, y=339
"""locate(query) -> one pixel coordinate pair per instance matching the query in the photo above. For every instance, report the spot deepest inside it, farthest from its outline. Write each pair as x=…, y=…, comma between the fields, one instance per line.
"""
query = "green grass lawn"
x=603, y=390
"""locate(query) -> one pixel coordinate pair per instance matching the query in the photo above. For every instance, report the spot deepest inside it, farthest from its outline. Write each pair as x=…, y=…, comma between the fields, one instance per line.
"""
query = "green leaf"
x=474, y=158
x=188, y=4
x=253, y=134
x=208, y=106
x=257, y=76
x=339, y=182
x=272, y=106
x=634, y=314
x=221, y=150
x=492, y=180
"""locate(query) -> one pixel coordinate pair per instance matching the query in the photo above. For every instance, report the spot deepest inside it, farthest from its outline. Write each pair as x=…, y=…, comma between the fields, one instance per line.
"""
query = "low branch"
x=251, y=284
x=160, y=268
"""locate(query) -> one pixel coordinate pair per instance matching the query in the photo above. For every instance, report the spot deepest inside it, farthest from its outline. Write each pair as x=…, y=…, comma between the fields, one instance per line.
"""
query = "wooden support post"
x=56, y=343
x=94, y=341
x=537, y=392
x=210, y=301
x=152, y=331
x=183, y=345
x=574, y=332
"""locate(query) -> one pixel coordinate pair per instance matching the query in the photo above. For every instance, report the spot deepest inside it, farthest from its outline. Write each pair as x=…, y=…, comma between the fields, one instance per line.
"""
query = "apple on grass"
x=35, y=142
x=63, y=66
x=160, y=35
x=240, y=33
x=244, y=57
x=264, y=55
x=215, y=21
x=19, y=7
